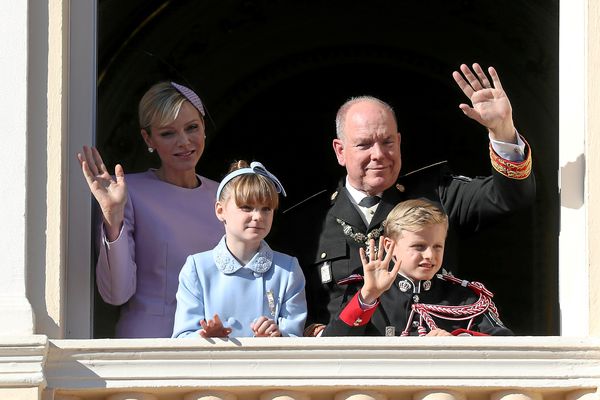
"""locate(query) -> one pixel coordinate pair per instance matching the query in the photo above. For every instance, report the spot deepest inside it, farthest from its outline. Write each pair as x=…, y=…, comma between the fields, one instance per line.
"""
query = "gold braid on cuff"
x=512, y=169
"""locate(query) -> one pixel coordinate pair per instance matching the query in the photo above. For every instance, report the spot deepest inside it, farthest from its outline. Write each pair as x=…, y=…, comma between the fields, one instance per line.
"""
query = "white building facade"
x=47, y=75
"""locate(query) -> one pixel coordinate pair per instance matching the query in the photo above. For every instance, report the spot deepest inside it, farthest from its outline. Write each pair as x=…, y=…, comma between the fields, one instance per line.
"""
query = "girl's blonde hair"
x=250, y=189
x=413, y=215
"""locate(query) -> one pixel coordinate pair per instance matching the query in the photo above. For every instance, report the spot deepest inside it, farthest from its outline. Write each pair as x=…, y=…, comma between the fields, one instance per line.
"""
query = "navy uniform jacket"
x=324, y=233
x=392, y=314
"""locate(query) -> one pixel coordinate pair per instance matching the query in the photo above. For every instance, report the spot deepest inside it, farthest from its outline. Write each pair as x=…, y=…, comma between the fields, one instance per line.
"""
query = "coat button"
x=323, y=255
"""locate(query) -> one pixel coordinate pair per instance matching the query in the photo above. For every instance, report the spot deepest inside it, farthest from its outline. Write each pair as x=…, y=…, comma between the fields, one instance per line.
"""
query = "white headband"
x=255, y=168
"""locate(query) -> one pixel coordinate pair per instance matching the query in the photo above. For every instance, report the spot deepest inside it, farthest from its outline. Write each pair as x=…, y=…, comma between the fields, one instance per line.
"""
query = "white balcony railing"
x=436, y=368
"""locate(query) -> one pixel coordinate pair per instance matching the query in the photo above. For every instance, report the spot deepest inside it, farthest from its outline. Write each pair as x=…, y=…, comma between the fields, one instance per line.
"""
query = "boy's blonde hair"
x=250, y=189
x=413, y=215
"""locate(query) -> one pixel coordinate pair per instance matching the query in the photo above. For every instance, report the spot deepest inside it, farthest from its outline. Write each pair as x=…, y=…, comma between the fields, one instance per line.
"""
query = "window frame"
x=574, y=279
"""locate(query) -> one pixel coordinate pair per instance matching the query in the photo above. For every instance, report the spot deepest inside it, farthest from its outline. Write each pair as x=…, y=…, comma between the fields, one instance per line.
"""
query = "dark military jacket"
x=326, y=231
x=393, y=315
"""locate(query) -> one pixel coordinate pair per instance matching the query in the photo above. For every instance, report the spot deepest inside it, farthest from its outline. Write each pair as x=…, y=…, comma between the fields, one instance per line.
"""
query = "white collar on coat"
x=227, y=263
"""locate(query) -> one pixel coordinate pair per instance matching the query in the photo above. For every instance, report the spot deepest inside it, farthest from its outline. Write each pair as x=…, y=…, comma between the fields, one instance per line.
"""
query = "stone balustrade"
x=436, y=368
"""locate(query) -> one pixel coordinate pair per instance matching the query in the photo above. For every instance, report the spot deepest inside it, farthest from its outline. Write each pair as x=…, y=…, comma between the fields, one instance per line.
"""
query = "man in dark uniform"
x=326, y=232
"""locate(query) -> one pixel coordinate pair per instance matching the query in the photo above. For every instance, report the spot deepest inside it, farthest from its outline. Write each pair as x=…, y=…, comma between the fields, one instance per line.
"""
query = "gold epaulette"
x=512, y=169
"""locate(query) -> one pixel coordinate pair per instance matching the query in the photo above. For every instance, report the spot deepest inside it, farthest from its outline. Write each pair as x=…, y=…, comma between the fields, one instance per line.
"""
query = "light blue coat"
x=214, y=282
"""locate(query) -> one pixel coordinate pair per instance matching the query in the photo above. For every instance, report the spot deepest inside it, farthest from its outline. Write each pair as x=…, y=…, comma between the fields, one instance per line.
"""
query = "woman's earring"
x=150, y=150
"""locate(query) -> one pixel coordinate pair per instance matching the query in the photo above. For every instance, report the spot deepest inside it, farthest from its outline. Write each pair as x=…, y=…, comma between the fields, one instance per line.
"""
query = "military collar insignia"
x=406, y=284
x=426, y=285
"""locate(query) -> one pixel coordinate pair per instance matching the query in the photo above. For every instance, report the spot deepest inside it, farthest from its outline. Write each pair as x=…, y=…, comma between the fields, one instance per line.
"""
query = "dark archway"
x=274, y=72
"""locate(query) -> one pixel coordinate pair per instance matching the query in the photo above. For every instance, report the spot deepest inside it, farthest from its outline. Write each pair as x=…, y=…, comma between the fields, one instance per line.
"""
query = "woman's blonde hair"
x=250, y=189
x=160, y=105
x=413, y=215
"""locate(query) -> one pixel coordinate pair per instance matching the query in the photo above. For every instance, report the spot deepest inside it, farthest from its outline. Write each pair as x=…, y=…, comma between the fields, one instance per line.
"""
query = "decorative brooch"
x=271, y=301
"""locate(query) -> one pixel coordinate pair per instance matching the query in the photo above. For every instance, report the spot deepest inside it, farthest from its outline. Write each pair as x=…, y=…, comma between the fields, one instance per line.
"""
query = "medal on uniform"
x=359, y=237
x=326, y=272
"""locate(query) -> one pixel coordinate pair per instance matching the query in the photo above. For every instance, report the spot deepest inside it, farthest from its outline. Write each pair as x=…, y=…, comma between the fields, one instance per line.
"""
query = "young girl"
x=242, y=287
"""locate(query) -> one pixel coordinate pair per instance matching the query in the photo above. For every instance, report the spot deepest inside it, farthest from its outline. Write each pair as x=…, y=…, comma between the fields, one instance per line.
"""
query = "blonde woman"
x=151, y=221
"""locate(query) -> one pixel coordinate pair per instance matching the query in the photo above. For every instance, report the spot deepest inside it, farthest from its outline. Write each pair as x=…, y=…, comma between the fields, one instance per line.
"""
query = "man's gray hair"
x=340, y=118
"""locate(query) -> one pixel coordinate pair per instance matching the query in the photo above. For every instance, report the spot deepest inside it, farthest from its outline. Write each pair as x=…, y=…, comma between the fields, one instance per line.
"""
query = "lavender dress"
x=163, y=224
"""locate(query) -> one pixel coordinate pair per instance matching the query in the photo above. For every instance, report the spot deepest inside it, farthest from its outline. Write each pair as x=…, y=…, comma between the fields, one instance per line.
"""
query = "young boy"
x=412, y=298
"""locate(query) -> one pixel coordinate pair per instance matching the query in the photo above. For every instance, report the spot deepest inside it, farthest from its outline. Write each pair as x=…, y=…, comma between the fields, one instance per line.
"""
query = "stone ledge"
x=22, y=361
x=463, y=362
